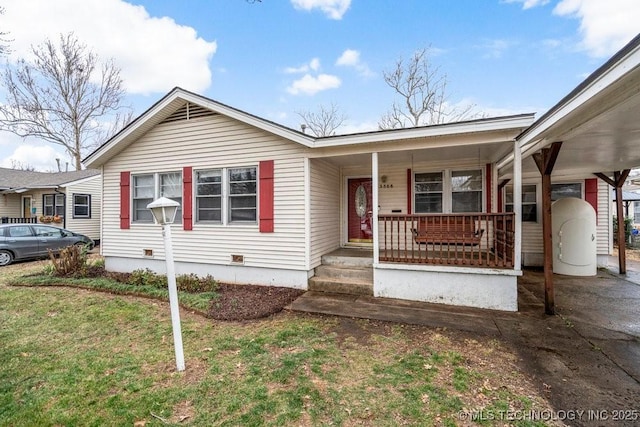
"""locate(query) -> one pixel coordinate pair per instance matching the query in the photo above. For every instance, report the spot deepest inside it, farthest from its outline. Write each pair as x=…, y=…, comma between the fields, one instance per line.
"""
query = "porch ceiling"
x=480, y=153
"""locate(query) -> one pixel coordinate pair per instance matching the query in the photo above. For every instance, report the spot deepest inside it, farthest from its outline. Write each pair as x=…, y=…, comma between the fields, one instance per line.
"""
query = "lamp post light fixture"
x=164, y=212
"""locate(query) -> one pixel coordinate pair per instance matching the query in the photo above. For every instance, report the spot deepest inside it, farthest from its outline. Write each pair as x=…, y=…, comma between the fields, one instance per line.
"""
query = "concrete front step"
x=341, y=286
x=364, y=274
x=347, y=261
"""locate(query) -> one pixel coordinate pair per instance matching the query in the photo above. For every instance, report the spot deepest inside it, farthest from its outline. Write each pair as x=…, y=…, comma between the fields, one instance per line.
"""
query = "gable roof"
x=12, y=179
x=171, y=103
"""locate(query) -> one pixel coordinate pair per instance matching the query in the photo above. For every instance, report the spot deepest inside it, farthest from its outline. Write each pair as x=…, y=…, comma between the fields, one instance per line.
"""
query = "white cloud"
x=496, y=48
x=154, y=54
x=605, y=26
x=351, y=58
x=40, y=156
x=528, y=4
x=333, y=9
x=313, y=65
x=310, y=85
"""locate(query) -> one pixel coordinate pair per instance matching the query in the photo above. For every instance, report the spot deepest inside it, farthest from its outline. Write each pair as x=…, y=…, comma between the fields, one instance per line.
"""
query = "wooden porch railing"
x=13, y=220
x=474, y=240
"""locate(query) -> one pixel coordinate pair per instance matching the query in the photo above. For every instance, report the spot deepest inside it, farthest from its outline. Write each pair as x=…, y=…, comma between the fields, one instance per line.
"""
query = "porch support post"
x=545, y=161
x=617, y=182
x=517, y=205
x=375, y=201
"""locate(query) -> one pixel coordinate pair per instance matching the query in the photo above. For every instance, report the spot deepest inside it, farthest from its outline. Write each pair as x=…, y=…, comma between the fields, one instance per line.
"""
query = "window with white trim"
x=529, y=202
x=209, y=195
x=636, y=212
x=243, y=196
x=149, y=187
x=449, y=191
x=82, y=205
x=53, y=205
x=226, y=195
x=428, y=192
x=466, y=191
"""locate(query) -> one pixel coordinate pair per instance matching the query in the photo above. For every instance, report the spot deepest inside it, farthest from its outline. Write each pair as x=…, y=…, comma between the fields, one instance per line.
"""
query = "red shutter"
x=488, y=187
x=591, y=193
x=409, y=190
x=266, y=196
x=125, y=199
x=187, y=198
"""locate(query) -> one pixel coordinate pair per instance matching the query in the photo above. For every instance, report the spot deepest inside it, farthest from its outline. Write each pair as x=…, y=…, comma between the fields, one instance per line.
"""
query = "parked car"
x=28, y=241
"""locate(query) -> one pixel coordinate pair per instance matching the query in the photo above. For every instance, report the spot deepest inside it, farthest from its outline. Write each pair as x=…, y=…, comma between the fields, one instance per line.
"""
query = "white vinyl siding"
x=206, y=143
x=325, y=209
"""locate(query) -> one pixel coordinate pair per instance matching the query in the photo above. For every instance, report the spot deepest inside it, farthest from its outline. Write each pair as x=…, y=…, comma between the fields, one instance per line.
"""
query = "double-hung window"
x=448, y=191
x=149, y=187
x=466, y=191
x=209, y=195
x=82, y=206
x=428, y=192
x=53, y=204
x=226, y=195
x=529, y=202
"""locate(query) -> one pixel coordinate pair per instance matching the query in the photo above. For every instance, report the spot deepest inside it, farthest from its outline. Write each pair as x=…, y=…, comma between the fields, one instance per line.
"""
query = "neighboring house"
x=436, y=205
x=631, y=204
x=70, y=200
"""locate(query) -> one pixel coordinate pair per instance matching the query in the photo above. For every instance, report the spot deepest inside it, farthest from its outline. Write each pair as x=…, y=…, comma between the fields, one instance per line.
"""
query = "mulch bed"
x=245, y=302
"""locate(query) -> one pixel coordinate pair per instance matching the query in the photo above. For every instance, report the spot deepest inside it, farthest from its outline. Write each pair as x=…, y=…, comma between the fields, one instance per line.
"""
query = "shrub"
x=70, y=261
x=194, y=284
x=147, y=277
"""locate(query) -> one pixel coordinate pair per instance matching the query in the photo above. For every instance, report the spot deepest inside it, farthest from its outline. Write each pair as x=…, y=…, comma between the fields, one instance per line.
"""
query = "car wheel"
x=6, y=258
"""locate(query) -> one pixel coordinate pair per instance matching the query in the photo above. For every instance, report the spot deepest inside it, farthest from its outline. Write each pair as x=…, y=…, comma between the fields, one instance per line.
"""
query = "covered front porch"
x=427, y=206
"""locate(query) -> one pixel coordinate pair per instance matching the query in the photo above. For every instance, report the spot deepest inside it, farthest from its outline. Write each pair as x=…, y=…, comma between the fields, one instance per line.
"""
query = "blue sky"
x=276, y=57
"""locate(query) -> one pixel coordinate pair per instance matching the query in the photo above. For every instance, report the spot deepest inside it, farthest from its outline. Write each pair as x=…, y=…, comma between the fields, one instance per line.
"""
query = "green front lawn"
x=77, y=357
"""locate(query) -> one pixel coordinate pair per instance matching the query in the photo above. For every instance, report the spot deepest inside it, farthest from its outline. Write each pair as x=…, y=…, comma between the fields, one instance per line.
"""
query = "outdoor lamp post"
x=164, y=212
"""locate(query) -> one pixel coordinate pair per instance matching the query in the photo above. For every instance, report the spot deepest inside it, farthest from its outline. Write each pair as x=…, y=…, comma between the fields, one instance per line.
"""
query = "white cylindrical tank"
x=574, y=237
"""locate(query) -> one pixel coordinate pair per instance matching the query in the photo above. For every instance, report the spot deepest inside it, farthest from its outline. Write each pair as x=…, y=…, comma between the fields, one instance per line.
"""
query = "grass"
x=77, y=357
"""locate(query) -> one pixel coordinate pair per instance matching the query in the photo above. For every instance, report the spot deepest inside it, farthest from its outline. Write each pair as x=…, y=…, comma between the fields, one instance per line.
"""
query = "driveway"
x=588, y=356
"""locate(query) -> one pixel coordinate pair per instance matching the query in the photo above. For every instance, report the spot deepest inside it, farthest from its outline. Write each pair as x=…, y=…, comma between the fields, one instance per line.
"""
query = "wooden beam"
x=545, y=161
x=619, y=177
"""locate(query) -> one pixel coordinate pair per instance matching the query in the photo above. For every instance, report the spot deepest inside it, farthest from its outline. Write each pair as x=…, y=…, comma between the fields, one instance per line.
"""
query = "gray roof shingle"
x=12, y=178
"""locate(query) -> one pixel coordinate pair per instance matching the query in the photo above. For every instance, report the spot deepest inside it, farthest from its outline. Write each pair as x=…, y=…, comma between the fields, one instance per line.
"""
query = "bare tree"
x=324, y=122
x=61, y=96
x=423, y=92
x=4, y=42
x=18, y=165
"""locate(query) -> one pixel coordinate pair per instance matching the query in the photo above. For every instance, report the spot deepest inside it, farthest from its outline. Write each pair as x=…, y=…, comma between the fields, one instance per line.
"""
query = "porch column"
x=374, y=208
x=517, y=205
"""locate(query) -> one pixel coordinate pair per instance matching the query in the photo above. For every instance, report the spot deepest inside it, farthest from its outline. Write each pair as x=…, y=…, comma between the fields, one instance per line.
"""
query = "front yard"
x=78, y=357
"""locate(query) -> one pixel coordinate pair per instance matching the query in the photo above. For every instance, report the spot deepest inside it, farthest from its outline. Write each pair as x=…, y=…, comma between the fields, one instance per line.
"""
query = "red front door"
x=360, y=210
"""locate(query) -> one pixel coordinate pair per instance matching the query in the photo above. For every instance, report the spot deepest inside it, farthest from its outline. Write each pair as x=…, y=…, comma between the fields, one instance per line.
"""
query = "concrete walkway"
x=587, y=357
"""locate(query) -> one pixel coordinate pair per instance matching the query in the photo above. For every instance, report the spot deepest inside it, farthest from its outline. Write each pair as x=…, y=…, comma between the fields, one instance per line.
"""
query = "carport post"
x=617, y=182
x=545, y=161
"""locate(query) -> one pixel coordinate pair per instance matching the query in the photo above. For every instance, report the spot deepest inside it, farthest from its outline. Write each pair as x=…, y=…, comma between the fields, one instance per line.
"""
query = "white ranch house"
x=450, y=213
